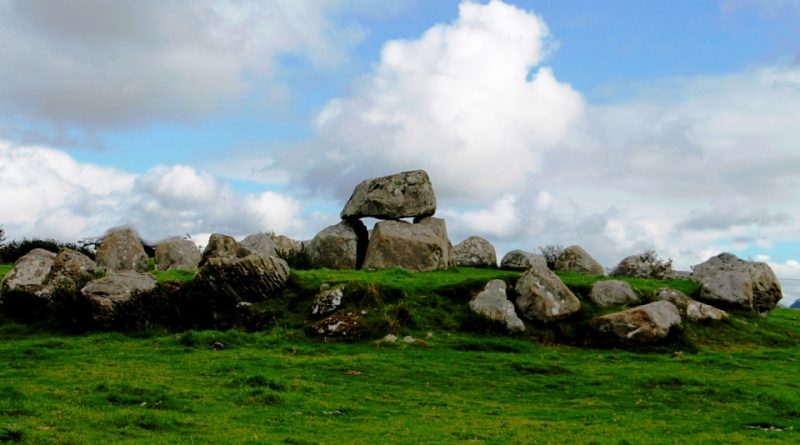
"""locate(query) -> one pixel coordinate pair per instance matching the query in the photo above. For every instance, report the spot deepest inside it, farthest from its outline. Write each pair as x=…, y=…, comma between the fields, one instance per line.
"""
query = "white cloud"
x=468, y=101
x=98, y=64
x=49, y=194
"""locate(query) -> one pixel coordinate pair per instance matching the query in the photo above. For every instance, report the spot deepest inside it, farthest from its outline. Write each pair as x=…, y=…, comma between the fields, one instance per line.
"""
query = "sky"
x=620, y=125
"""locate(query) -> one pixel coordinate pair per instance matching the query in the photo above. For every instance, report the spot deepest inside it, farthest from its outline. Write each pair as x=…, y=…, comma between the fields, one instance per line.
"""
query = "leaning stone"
x=422, y=246
x=121, y=250
x=475, y=252
x=177, y=253
x=108, y=294
x=543, y=296
x=250, y=279
x=402, y=195
x=697, y=311
x=729, y=280
x=340, y=246
x=30, y=273
x=521, y=260
x=493, y=304
x=643, y=324
x=607, y=293
x=327, y=300
x=575, y=259
x=260, y=244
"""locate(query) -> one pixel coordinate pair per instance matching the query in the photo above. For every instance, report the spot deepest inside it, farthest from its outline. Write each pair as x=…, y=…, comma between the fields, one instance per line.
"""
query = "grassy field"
x=731, y=382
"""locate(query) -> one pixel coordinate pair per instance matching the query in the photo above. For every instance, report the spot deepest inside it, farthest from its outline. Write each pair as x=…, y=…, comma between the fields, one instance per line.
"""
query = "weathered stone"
x=30, y=273
x=249, y=279
x=575, y=259
x=340, y=324
x=543, y=296
x=222, y=246
x=697, y=311
x=177, y=253
x=402, y=195
x=644, y=265
x=643, y=324
x=260, y=244
x=607, y=293
x=340, y=246
x=284, y=244
x=327, y=300
x=121, y=250
x=521, y=260
x=674, y=296
x=475, y=252
x=71, y=267
x=493, y=304
x=729, y=280
x=108, y=294
x=422, y=246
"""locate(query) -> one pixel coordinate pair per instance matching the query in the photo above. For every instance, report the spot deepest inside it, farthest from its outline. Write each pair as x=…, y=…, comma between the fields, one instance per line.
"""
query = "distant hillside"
x=795, y=305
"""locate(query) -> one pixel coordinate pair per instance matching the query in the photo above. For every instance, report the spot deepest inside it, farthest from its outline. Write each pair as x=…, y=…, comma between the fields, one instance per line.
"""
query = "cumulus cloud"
x=50, y=194
x=97, y=64
x=468, y=101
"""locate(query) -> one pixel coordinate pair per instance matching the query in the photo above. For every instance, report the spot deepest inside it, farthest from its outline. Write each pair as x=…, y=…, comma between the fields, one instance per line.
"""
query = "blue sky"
x=617, y=125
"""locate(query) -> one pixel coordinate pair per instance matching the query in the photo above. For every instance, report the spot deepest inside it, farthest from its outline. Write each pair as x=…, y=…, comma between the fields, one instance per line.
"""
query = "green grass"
x=4, y=269
x=179, y=275
x=281, y=387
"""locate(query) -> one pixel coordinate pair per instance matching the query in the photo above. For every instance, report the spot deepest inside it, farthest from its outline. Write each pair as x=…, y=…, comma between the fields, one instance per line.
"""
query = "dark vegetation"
x=12, y=251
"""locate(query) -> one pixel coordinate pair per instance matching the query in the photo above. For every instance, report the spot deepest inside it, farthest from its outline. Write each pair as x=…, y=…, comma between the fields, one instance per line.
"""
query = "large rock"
x=521, y=260
x=607, y=293
x=122, y=250
x=697, y=311
x=177, y=253
x=644, y=265
x=30, y=273
x=406, y=194
x=422, y=246
x=732, y=281
x=543, y=296
x=109, y=294
x=575, y=259
x=674, y=296
x=285, y=245
x=222, y=246
x=475, y=252
x=340, y=246
x=260, y=244
x=249, y=279
x=643, y=324
x=493, y=304
x=71, y=267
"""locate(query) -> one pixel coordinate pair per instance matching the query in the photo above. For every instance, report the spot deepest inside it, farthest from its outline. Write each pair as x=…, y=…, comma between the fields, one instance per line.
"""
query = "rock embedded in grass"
x=697, y=311
x=327, y=300
x=493, y=304
x=521, y=260
x=177, y=253
x=648, y=323
x=575, y=259
x=543, y=296
x=475, y=252
x=730, y=280
x=122, y=250
x=250, y=279
x=30, y=273
x=607, y=293
x=107, y=295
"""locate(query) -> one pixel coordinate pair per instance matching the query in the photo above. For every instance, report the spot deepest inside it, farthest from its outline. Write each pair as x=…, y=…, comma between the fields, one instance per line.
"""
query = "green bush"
x=12, y=251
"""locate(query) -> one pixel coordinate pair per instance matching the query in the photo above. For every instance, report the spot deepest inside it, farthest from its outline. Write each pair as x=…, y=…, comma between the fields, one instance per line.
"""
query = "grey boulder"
x=249, y=279
x=475, y=252
x=729, y=280
x=402, y=195
x=260, y=244
x=71, y=267
x=648, y=323
x=493, y=304
x=607, y=293
x=121, y=250
x=340, y=246
x=177, y=253
x=543, y=296
x=222, y=246
x=674, y=296
x=522, y=260
x=697, y=311
x=421, y=246
x=575, y=259
x=30, y=273
x=108, y=294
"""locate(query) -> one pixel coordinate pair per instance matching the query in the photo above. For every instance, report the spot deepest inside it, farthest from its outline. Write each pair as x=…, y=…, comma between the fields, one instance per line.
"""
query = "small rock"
x=390, y=338
x=408, y=339
x=217, y=346
x=327, y=300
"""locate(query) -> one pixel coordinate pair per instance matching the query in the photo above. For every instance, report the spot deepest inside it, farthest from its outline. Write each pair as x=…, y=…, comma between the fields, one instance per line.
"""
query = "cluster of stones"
x=543, y=298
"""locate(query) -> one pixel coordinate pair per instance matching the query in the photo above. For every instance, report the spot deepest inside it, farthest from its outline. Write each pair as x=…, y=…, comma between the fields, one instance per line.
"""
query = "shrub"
x=551, y=252
x=12, y=251
x=296, y=259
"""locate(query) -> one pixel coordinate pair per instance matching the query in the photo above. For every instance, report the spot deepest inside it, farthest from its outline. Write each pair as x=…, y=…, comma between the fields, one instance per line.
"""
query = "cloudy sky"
x=617, y=125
